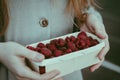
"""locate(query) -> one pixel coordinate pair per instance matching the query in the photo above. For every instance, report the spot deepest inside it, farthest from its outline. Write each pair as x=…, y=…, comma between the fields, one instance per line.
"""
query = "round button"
x=43, y=22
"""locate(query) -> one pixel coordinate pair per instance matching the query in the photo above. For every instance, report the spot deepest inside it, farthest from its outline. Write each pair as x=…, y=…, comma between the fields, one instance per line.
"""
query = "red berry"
x=80, y=44
x=94, y=42
x=47, y=45
x=51, y=47
x=38, y=49
x=53, y=41
x=31, y=48
x=82, y=35
x=88, y=43
x=72, y=38
x=68, y=50
x=71, y=45
x=60, y=42
x=46, y=52
x=41, y=45
x=58, y=53
x=67, y=39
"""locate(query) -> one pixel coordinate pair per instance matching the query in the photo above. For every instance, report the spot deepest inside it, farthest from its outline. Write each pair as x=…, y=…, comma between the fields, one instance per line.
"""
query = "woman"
x=35, y=20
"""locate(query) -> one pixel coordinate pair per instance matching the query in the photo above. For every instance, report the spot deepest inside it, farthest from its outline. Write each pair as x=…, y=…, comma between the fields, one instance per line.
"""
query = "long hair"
x=4, y=18
x=76, y=5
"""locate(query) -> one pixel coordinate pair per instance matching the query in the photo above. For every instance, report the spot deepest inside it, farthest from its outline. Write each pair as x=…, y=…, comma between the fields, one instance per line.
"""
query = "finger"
x=93, y=68
x=32, y=55
x=96, y=66
x=104, y=51
x=98, y=29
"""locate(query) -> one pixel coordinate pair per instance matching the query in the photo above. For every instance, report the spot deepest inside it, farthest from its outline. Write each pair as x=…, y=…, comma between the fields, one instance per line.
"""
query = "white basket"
x=71, y=62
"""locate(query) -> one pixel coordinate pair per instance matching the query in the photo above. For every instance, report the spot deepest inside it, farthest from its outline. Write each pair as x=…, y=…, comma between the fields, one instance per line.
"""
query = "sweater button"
x=43, y=22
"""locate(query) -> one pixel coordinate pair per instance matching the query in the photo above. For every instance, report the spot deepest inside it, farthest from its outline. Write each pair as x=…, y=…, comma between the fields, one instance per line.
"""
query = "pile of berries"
x=58, y=47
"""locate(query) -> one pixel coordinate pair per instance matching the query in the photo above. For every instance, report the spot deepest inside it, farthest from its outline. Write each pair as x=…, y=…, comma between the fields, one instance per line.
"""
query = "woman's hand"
x=13, y=55
x=96, y=26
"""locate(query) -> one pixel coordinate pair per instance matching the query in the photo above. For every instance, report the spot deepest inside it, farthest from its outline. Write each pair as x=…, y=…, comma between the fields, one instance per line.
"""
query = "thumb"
x=35, y=56
x=32, y=55
x=100, y=34
x=99, y=30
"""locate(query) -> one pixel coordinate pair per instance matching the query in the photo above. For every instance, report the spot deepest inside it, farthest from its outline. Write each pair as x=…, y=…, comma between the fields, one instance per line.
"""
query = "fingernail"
x=39, y=57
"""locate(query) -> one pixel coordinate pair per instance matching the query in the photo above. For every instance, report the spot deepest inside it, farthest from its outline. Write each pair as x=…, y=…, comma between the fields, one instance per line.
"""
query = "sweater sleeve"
x=92, y=10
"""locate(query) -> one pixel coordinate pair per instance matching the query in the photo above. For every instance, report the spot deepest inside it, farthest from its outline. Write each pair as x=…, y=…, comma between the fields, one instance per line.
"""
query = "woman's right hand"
x=13, y=55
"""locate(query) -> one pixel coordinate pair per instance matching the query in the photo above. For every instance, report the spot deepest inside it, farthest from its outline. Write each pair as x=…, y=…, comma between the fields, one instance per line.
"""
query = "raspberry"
x=72, y=38
x=68, y=50
x=58, y=53
x=31, y=48
x=51, y=47
x=41, y=45
x=47, y=45
x=67, y=39
x=63, y=49
x=71, y=45
x=38, y=49
x=60, y=42
x=94, y=42
x=80, y=44
x=82, y=35
x=88, y=43
x=53, y=41
x=46, y=52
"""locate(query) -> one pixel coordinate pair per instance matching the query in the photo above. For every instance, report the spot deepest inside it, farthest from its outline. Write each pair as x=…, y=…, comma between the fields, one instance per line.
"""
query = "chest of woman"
x=36, y=20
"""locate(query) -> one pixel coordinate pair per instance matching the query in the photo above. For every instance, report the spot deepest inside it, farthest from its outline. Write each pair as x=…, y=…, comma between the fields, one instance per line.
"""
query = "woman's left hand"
x=95, y=26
